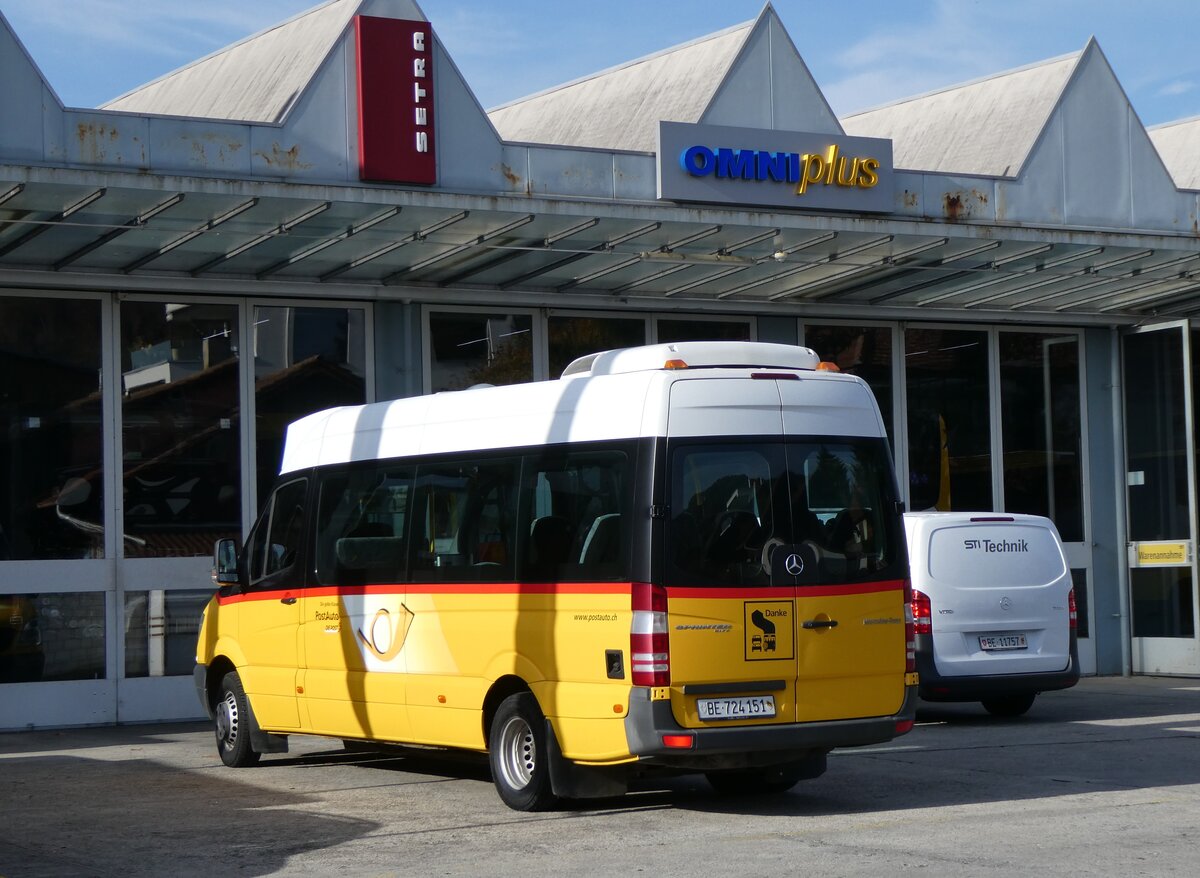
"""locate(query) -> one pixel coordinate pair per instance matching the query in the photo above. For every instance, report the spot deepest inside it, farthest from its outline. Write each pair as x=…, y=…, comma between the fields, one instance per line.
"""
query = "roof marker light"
x=675, y=364
x=826, y=366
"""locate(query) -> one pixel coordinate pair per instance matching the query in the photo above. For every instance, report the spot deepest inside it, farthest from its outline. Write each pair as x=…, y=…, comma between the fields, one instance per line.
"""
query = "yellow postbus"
x=675, y=558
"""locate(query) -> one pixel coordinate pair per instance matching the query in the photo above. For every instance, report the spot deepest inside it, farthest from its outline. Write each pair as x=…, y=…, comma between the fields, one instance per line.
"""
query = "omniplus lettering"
x=802, y=169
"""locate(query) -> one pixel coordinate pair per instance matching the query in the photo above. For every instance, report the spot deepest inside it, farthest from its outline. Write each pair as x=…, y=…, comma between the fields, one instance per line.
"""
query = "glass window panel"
x=361, y=517
x=469, y=349
x=573, y=337
x=305, y=360
x=1156, y=436
x=1079, y=580
x=160, y=631
x=578, y=512
x=464, y=522
x=52, y=636
x=179, y=427
x=1162, y=601
x=949, y=420
x=1040, y=414
x=674, y=329
x=51, y=444
x=865, y=351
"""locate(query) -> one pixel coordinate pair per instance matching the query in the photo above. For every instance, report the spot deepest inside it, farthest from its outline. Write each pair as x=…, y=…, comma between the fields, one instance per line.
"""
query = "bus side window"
x=361, y=525
x=277, y=540
x=463, y=521
x=576, y=531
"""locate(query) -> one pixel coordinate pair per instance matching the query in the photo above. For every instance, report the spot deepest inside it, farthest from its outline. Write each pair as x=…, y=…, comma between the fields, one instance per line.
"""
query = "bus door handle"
x=819, y=623
x=291, y=600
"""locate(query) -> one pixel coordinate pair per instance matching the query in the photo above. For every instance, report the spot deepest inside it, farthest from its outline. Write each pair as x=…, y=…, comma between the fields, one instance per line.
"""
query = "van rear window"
x=988, y=556
x=791, y=512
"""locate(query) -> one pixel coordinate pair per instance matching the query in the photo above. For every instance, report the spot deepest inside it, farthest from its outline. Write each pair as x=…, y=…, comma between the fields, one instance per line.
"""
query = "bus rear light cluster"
x=649, y=646
x=917, y=620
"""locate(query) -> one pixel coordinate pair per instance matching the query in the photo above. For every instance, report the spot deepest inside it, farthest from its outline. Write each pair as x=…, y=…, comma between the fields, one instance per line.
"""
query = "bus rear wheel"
x=517, y=754
x=232, y=715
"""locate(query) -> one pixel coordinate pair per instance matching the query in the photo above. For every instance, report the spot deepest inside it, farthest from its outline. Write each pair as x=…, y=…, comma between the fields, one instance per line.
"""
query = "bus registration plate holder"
x=736, y=707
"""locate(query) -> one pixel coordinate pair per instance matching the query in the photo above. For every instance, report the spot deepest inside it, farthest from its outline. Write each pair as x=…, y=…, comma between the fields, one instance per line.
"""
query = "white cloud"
x=1178, y=87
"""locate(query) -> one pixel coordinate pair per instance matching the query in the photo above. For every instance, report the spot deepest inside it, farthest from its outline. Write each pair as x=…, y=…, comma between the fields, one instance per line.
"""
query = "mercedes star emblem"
x=794, y=564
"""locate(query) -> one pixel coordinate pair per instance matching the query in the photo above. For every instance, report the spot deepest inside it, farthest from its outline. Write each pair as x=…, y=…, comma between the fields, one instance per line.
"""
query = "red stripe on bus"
x=437, y=588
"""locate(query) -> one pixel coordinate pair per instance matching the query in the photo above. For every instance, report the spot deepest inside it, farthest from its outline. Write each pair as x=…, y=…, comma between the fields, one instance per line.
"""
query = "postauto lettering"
x=801, y=169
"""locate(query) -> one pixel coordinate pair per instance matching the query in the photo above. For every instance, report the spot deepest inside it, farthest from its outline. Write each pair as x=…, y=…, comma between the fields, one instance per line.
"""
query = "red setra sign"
x=395, y=100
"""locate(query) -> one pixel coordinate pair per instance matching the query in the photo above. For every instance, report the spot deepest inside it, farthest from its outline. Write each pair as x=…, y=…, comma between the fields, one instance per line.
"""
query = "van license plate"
x=992, y=642
x=736, y=707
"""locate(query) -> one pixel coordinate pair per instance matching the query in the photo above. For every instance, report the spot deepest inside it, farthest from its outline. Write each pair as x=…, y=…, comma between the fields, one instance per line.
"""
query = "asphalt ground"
x=1102, y=779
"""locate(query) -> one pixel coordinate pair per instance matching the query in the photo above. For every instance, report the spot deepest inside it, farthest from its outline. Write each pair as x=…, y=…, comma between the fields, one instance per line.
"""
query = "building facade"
x=323, y=214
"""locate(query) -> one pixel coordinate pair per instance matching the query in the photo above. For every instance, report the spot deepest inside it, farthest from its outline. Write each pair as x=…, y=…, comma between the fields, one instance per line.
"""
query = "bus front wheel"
x=518, y=756
x=233, y=724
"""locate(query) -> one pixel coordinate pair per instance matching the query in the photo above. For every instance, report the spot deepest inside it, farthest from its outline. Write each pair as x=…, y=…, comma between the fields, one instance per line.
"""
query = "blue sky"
x=862, y=54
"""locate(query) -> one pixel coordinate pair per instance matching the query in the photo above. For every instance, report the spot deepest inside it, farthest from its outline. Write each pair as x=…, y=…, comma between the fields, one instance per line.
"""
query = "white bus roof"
x=621, y=394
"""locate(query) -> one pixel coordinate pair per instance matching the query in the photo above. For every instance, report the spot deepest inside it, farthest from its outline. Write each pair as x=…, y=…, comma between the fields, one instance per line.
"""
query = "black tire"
x=517, y=754
x=769, y=781
x=233, y=721
x=1009, y=705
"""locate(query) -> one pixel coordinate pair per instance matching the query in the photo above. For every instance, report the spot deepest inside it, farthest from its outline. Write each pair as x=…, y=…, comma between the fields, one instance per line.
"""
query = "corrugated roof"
x=983, y=127
x=1178, y=143
x=255, y=80
x=620, y=108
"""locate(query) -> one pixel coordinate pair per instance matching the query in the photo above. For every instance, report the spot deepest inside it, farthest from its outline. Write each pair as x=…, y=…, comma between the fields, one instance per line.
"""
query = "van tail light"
x=910, y=628
x=1071, y=613
x=922, y=613
x=649, y=646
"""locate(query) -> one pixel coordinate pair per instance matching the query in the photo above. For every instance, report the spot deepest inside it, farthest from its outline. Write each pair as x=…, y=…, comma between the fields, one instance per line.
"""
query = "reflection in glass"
x=1039, y=405
x=865, y=351
x=51, y=637
x=1162, y=601
x=160, y=631
x=51, y=475
x=672, y=330
x=305, y=360
x=470, y=349
x=179, y=417
x=573, y=337
x=949, y=420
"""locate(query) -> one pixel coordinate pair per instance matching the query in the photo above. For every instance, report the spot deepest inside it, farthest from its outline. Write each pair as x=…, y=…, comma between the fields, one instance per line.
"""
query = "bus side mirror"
x=224, y=570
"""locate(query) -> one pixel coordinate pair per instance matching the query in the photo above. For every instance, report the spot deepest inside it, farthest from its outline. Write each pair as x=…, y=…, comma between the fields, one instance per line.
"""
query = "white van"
x=993, y=608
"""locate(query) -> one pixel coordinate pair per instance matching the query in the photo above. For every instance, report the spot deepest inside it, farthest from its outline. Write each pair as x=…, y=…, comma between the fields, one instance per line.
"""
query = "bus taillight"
x=918, y=619
x=649, y=649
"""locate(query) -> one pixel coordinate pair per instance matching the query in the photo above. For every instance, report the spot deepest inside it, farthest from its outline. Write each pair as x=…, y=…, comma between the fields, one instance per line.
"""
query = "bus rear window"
x=739, y=510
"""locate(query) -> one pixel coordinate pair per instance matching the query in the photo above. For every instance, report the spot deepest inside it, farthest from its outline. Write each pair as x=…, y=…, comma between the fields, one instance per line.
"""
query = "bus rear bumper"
x=719, y=747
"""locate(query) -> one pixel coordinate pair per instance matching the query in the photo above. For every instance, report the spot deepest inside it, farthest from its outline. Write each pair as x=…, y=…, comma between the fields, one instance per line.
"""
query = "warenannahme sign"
x=793, y=169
